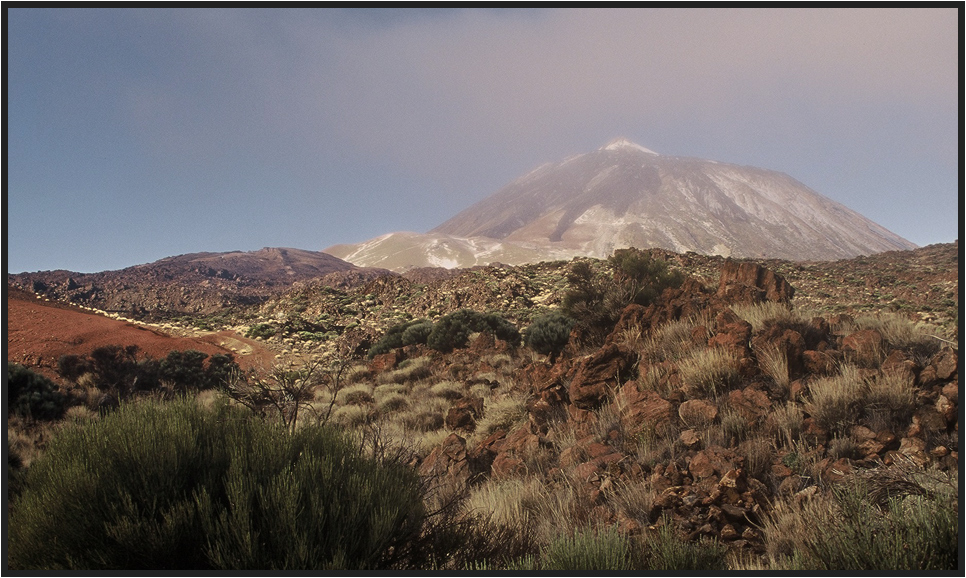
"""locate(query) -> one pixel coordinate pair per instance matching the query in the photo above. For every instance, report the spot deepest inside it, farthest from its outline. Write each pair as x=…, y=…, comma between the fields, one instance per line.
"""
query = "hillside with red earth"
x=39, y=332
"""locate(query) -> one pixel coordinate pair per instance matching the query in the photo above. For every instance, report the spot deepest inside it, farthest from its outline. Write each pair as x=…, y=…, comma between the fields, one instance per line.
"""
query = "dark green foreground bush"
x=912, y=534
x=32, y=395
x=172, y=486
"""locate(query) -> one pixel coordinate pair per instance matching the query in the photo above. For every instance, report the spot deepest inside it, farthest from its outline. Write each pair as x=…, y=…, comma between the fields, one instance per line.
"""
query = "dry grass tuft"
x=671, y=341
x=709, y=371
x=890, y=400
x=773, y=362
x=785, y=424
x=768, y=311
x=834, y=401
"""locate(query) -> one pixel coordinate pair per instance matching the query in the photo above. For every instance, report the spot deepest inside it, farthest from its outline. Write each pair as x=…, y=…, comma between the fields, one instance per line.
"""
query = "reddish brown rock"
x=642, y=408
x=899, y=364
x=790, y=486
x=928, y=420
x=864, y=346
x=690, y=439
x=787, y=342
x=506, y=466
x=947, y=409
x=700, y=466
x=750, y=403
x=835, y=471
x=448, y=462
x=946, y=363
x=463, y=414
x=951, y=391
x=599, y=372
x=697, y=412
x=751, y=283
x=733, y=337
x=484, y=342
x=728, y=533
x=480, y=458
x=821, y=363
x=915, y=450
x=386, y=361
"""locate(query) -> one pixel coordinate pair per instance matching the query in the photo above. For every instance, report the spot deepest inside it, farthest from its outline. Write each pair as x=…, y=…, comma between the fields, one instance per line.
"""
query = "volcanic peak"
x=624, y=144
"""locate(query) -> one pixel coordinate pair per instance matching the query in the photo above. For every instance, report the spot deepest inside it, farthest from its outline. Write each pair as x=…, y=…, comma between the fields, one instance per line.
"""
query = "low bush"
x=32, y=395
x=590, y=550
x=709, y=371
x=915, y=533
x=834, y=402
x=597, y=301
x=262, y=330
x=448, y=333
x=119, y=371
x=174, y=486
x=549, y=333
x=417, y=333
x=667, y=552
x=393, y=337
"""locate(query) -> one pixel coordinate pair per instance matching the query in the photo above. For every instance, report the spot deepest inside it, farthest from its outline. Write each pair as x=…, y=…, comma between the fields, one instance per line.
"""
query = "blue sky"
x=137, y=134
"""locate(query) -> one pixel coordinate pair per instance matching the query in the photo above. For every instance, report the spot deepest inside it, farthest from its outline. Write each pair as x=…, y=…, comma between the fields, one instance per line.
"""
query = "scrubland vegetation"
x=643, y=425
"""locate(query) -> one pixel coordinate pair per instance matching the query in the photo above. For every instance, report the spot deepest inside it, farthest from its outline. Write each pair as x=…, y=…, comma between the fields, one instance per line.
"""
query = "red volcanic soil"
x=39, y=332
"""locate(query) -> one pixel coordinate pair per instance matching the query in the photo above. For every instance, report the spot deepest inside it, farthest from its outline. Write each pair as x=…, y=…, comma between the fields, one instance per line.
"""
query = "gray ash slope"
x=626, y=195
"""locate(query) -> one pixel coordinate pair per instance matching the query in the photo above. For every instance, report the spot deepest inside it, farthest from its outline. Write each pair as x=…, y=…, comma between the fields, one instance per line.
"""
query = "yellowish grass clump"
x=758, y=313
x=709, y=371
x=833, y=401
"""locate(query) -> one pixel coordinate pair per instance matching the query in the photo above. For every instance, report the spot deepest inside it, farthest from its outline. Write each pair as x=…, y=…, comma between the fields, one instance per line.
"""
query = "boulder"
x=642, y=408
x=733, y=337
x=864, y=346
x=821, y=363
x=748, y=282
x=697, y=412
x=785, y=341
x=448, y=463
x=751, y=403
x=599, y=372
x=945, y=362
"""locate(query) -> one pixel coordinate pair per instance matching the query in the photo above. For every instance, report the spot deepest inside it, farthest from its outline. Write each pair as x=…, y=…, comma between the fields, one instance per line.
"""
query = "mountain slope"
x=625, y=195
x=192, y=283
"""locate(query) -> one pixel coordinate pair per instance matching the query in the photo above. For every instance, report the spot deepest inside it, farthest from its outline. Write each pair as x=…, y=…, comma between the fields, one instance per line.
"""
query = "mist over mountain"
x=623, y=195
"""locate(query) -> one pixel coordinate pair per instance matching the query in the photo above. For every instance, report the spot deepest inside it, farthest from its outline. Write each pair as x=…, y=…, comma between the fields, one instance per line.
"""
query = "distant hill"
x=193, y=283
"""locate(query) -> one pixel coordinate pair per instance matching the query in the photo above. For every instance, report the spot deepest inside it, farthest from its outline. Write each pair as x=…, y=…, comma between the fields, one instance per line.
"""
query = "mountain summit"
x=623, y=143
x=624, y=195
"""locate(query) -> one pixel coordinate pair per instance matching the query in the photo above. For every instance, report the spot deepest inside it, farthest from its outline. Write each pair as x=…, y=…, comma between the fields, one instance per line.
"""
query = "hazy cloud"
x=422, y=112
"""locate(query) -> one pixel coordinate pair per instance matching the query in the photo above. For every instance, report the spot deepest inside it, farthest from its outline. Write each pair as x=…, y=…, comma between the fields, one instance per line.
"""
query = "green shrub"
x=597, y=301
x=589, y=551
x=115, y=368
x=263, y=330
x=417, y=333
x=118, y=370
x=502, y=328
x=549, y=333
x=393, y=337
x=71, y=367
x=486, y=322
x=173, y=486
x=32, y=395
x=221, y=368
x=641, y=277
x=669, y=553
x=184, y=369
x=912, y=534
x=448, y=333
